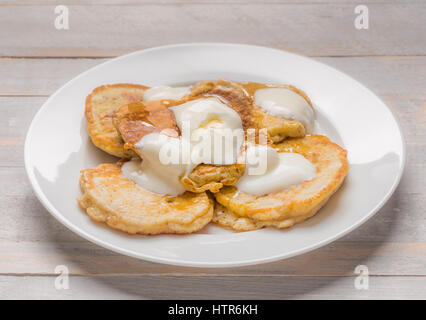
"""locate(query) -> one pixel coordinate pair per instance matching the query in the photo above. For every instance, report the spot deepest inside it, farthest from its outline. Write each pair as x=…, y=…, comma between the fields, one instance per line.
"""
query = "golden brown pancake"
x=278, y=128
x=117, y=119
x=111, y=198
x=231, y=93
x=212, y=178
x=229, y=220
x=100, y=105
x=295, y=204
x=240, y=96
x=138, y=119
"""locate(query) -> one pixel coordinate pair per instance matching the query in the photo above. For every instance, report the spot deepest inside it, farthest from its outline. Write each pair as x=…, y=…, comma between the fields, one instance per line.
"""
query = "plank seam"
x=203, y=275
x=186, y=3
x=309, y=56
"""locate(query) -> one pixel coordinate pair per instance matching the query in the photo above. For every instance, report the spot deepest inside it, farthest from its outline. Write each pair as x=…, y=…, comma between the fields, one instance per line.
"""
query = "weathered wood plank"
x=186, y=2
x=337, y=259
x=17, y=113
x=39, y=77
x=384, y=75
x=32, y=242
x=101, y=30
x=211, y=287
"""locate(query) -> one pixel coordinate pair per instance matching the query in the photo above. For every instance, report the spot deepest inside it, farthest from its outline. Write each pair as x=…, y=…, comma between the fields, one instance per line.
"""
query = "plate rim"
x=171, y=261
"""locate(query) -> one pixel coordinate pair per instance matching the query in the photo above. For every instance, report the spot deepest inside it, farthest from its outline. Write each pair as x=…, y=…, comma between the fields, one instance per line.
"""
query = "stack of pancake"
x=118, y=119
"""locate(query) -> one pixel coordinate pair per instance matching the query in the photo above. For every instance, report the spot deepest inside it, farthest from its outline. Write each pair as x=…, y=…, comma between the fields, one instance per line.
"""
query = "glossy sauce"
x=166, y=159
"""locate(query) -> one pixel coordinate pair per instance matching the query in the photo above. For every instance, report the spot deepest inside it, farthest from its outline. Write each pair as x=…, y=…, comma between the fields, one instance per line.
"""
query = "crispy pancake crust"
x=137, y=119
x=212, y=178
x=122, y=204
x=100, y=105
x=298, y=202
x=229, y=220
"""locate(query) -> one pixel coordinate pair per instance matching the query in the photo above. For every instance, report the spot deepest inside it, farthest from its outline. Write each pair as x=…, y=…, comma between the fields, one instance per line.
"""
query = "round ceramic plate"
x=57, y=147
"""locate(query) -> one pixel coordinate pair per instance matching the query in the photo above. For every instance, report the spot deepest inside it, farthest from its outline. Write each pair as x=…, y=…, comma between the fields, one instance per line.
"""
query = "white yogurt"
x=167, y=159
x=268, y=171
x=212, y=128
x=286, y=103
x=153, y=173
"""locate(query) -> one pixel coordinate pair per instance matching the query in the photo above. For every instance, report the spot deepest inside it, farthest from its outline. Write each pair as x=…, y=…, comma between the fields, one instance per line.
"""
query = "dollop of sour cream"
x=215, y=131
x=203, y=122
x=268, y=171
x=165, y=93
x=151, y=173
x=286, y=103
x=166, y=159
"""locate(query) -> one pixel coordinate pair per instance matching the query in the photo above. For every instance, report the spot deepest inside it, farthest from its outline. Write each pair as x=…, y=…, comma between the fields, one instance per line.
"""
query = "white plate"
x=57, y=147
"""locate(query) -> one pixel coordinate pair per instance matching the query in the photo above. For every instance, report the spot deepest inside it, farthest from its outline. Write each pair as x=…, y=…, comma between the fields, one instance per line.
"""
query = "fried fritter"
x=278, y=128
x=100, y=105
x=137, y=119
x=111, y=198
x=212, y=178
x=104, y=100
x=227, y=219
x=240, y=96
x=283, y=209
x=232, y=94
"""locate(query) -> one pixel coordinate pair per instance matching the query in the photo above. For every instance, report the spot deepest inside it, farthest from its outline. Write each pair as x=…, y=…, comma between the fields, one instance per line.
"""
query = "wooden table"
x=36, y=59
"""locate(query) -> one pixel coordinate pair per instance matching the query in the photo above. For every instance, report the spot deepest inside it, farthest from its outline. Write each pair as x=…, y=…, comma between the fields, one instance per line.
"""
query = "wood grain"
x=211, y=287
x=186, y=2
x=101, y=31
x=36, y=59
x=337, y=259
x=383, y=75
